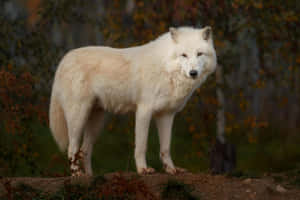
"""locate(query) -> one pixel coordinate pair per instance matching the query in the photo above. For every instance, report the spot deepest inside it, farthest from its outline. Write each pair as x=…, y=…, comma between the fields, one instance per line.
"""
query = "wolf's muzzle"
x=193, y=73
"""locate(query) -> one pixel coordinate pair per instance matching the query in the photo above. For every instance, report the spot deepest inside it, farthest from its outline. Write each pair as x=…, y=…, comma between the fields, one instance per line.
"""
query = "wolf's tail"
x=58, y=124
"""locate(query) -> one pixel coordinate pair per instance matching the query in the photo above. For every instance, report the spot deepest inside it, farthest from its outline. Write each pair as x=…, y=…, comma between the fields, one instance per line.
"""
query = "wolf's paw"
x=175, y=170
x=145, y=171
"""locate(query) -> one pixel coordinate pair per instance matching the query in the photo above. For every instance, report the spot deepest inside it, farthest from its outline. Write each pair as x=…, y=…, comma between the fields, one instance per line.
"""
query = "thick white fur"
x=152, y=80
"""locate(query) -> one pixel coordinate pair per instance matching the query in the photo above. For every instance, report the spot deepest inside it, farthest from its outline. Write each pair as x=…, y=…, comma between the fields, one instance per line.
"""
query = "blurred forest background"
x=257, y=43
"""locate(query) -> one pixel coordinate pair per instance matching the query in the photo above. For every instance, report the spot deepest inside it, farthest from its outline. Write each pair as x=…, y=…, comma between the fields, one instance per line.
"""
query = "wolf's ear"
x=207, y=33
x=174, y=33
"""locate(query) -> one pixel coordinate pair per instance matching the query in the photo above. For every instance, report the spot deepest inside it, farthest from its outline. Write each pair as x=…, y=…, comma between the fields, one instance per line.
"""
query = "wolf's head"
x=193, y=51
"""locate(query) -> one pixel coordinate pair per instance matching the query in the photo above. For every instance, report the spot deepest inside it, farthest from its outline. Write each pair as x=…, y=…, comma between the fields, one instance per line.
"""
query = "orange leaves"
x=199, y=154
x=263, y=124
x=196, y=136
x=211, y=100
x=283, y=101
x=7, y=79
x=228, y=129
x=261, y=72
x=298, y=59
x=252, y=139
x=259, y=84
x=290, y=16
x=32, y=7
x=12, y=85
x=11, y=126
x=243, y=105
x=242, y=3
x=219, y=44
x=183, y=10
x=16, y=98
x=258, y=5
x=188, y=119
x=229, y=116
x=110, y=127
x=39, y=111
x=252, y=122
x=26, y=76
x=138, y=17
x=192, y=128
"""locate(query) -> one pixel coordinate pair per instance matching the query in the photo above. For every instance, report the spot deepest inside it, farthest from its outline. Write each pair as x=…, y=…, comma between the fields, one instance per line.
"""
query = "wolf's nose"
x=193, y=73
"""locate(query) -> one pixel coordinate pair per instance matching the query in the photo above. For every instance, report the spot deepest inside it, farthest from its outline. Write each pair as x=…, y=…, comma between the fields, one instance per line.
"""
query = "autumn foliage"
x=17, y=100
x=257, y=44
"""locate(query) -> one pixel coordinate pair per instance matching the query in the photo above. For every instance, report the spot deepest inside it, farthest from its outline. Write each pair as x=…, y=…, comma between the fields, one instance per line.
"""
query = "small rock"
x=280, y=189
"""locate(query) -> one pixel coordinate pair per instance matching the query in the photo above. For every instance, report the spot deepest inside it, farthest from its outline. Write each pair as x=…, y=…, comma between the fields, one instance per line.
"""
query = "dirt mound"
x=159, y=186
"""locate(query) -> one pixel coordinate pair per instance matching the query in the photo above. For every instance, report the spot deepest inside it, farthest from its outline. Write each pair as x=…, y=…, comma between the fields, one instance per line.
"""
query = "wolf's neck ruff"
x=182, y=86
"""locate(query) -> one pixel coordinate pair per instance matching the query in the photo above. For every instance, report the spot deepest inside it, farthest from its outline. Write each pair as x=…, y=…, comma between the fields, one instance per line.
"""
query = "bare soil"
x=205, y=186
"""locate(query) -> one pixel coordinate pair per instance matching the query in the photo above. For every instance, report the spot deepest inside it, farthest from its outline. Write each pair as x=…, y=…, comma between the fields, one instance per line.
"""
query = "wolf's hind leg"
x=92, y=129
x=76, y=118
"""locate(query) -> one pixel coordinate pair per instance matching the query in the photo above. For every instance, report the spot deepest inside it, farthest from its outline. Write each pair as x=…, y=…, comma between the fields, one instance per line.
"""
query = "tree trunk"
x=221, y=101
x=223, y=154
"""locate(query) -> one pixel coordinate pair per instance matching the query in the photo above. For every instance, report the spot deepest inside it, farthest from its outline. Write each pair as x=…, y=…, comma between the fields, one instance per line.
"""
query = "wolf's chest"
x=175, y=99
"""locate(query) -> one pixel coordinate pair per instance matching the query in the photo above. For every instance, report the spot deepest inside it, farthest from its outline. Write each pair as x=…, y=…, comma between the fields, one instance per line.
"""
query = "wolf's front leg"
x=142, y=121
x=164, y=124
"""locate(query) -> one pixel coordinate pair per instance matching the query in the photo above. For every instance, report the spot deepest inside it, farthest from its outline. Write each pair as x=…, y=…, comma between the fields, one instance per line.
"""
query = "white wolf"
x=153, y=80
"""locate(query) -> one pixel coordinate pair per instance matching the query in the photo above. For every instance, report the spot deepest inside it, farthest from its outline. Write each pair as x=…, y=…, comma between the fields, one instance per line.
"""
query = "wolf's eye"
x=184, y=55
x=199, y=54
